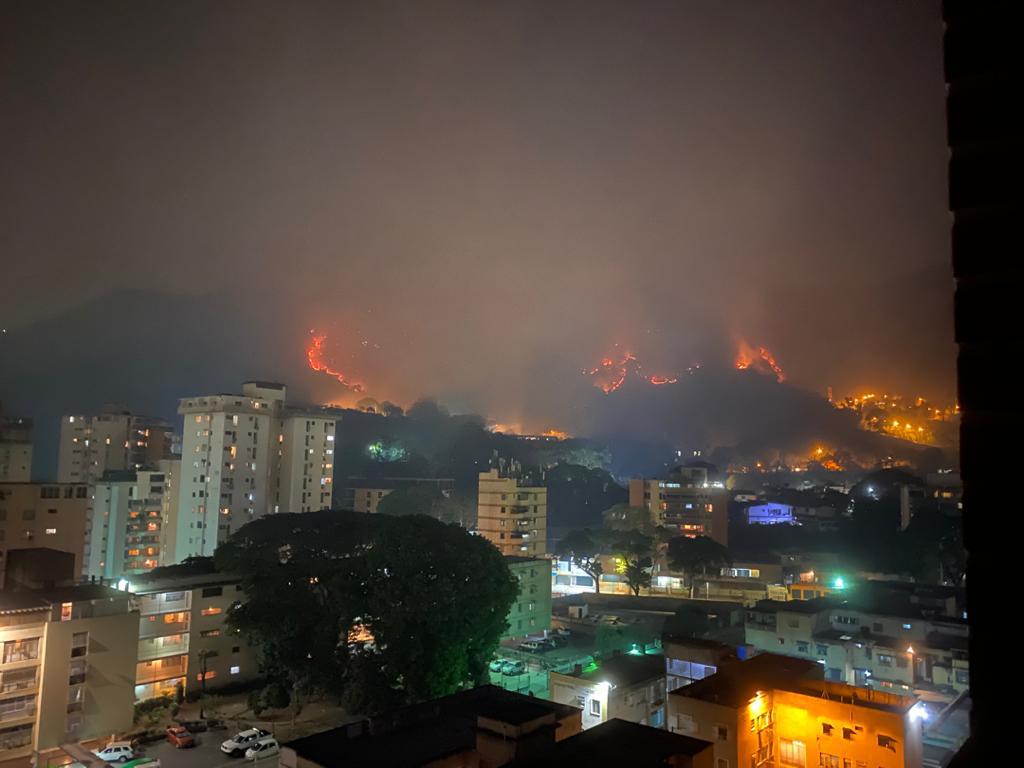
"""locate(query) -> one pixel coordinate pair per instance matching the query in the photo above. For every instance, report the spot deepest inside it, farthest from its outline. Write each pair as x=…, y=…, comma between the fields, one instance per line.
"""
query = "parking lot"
x=206, y=753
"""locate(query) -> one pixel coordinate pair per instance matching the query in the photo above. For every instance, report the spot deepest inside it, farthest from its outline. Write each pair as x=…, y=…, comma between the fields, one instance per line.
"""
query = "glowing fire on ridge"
x=314, y=355
x=761, y=358
x=611, y=374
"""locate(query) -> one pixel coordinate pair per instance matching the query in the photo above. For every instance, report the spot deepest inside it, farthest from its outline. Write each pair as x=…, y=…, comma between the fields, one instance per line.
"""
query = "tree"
x=378, y=610
x=584, y=548
x=623, y=517
x=692, y=556
x=634, y=551
x=933, y=542
x=411, y=500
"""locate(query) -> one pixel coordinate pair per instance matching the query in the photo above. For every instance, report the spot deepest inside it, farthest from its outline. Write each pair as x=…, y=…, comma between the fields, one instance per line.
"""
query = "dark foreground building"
x=488, y=727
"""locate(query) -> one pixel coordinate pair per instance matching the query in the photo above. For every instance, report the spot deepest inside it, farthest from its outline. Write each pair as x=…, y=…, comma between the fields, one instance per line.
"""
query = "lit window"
x=235, y=670
x=51, y=531
x=211, y=611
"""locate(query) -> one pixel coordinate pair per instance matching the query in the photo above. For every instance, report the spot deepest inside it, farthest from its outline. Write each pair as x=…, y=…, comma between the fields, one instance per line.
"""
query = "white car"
x=116, y=752
x=265, y=747
x=237, y=744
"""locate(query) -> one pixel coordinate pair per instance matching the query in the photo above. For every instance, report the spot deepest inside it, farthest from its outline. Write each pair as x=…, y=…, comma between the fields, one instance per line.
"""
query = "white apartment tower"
x=245, y=456
x=126, y=519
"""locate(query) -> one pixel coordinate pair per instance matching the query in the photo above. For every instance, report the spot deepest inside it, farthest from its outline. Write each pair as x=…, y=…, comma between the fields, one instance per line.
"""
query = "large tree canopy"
x=377, y=609
x=692, y=556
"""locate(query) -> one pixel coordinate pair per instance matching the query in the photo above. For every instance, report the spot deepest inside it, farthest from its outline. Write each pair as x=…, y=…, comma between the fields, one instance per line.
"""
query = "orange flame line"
x=314, y=355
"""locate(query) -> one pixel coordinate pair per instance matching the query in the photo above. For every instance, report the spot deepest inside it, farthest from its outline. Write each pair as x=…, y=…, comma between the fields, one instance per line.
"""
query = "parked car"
x=116, y=752
x=496, y=665
x=534, y=646
x=241, y=741
x=558, y=641
x=513, y=668
x=180, y=737
x=265, y=747
x=562, y=632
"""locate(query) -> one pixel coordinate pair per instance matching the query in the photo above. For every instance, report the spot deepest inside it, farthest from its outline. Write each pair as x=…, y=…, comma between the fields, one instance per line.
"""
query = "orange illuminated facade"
x=778, y=711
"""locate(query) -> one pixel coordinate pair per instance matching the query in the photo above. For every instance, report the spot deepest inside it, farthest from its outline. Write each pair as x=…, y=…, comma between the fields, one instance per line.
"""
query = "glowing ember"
x=611, y=374
x=314, y=355
x=557, y=434
x=760, y=358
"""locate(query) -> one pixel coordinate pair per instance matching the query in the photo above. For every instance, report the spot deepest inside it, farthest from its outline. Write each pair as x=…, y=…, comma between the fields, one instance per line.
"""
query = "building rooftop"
x=736, y=684
x=516, y=559
x=422, y=733
x=619, y=743
x=42, y=599
x=625, y=670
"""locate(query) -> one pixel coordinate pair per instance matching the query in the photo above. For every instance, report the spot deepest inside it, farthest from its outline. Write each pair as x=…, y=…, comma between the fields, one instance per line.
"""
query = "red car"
x=180, y=737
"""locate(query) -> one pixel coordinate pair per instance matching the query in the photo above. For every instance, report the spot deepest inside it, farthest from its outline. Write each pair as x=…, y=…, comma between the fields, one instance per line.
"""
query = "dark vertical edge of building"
x=983, y=69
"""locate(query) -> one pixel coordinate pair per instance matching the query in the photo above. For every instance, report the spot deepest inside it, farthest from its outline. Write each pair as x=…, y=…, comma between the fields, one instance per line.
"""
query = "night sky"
x=474, y=200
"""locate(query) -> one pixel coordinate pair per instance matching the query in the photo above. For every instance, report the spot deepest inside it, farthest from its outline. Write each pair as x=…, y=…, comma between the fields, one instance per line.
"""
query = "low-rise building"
x=627, y=686
x=480, y=726
x=865, y=640
x=183, y=639
x=50, y=515
x=777, y=711
x=689, y=659
x=363, y=494
x=531, y=612
x=67, y=658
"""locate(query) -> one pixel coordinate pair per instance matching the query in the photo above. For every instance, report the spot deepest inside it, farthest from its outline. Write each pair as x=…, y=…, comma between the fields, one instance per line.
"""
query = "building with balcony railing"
x=66, y=666
x=184, y=640
x=511, y=516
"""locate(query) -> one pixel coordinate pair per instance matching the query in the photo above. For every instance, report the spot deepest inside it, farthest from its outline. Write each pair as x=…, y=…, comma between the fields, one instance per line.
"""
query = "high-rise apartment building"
x=112, y=440
x=512, y=517
x=15, y=450
x=689, y=501
x=245, y=456
x=126, y=520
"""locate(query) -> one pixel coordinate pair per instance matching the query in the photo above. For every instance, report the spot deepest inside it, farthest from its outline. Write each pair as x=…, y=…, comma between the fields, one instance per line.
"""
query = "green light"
x=635, y=651
x=839, y=583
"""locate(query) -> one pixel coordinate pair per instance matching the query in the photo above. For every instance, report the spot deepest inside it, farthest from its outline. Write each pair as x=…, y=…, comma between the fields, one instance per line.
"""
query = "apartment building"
x=49, y=515
x=66, y=669
x=627, y=686
x=126, y=520
x=531, y=612
x=511, y=516
x=115, y=439
x=689, y=500
x=245, y=456
x=868, y=641
x=778, y=711
x=183, y=639
x=15, y=450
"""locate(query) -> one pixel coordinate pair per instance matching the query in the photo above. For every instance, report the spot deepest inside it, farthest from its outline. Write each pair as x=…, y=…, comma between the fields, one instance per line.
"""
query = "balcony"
x=158, y=647
x=151, y=671
x=165, y=602
x=158, y=627
x=18, y=680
